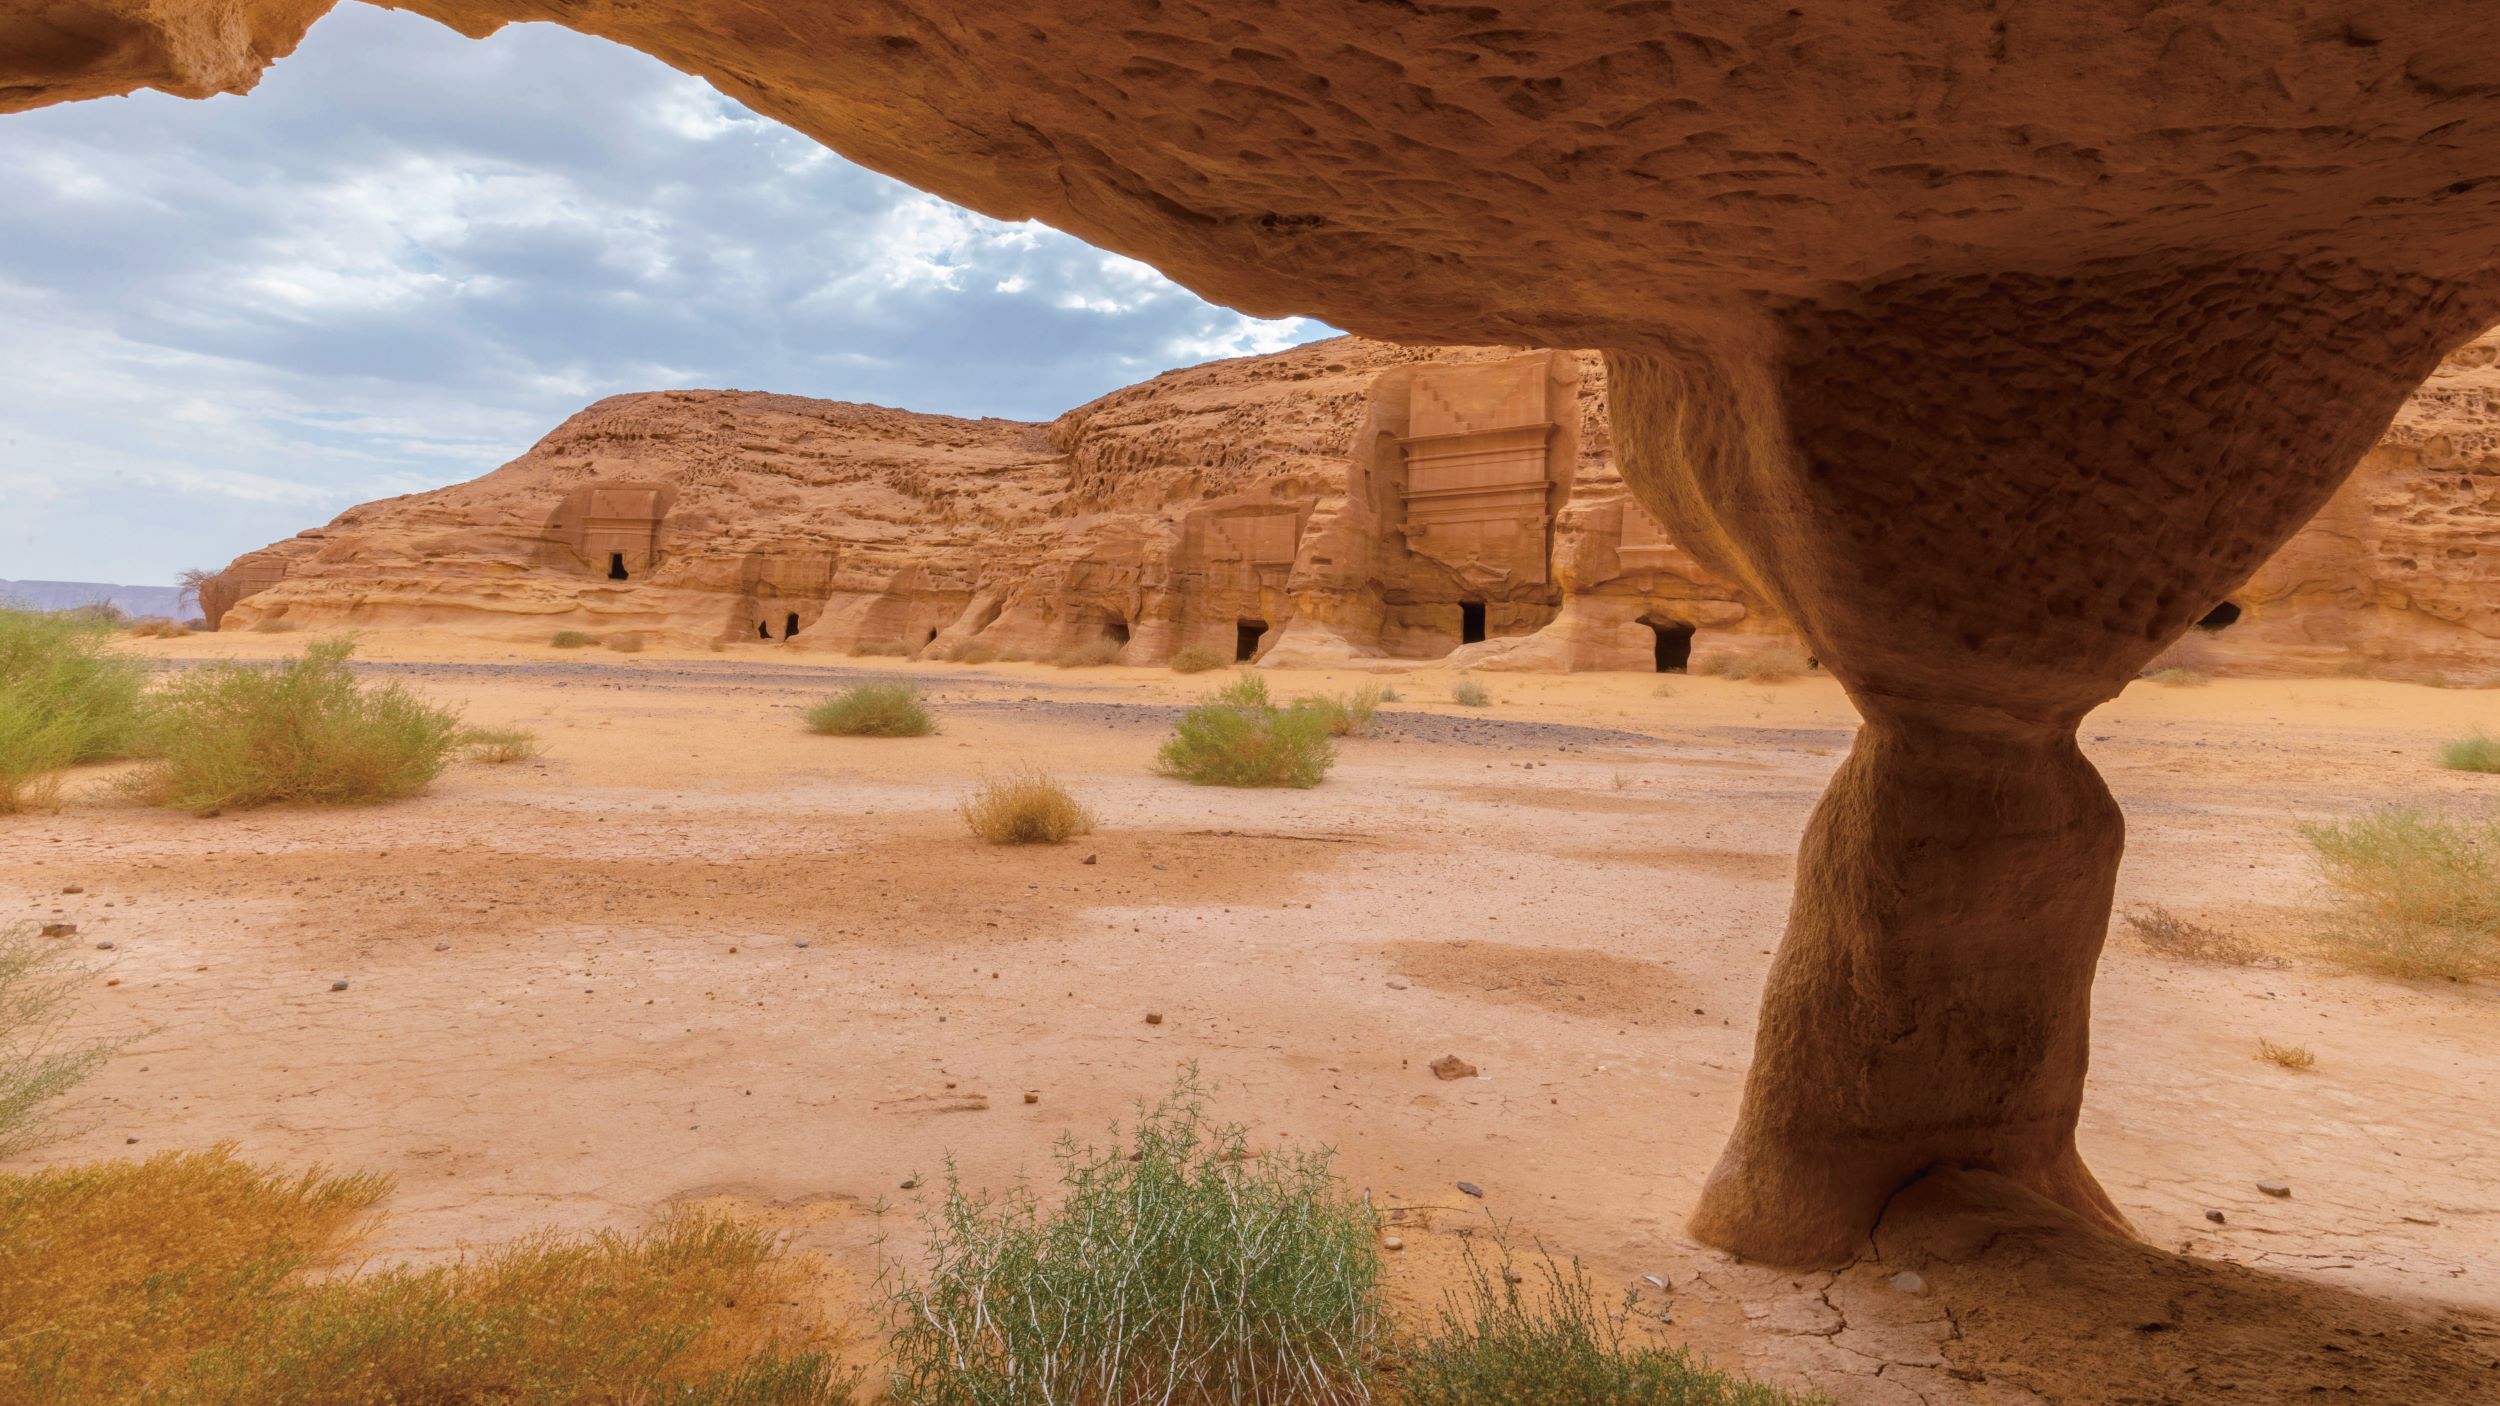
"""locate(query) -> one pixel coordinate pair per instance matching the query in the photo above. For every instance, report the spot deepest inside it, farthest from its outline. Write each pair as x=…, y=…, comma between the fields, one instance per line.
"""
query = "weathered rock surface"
x=1989, y=346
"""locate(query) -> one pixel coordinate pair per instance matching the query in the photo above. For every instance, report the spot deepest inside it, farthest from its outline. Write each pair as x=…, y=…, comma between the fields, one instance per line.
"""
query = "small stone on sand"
x=1910, y=1281
x=1032, y=1098
x=338, y=985
x=2214, y=1216
x=60, y=929
x=2274, y=1188
x=1450, y=1066
x=1472, y=1189
x=1154, y=1017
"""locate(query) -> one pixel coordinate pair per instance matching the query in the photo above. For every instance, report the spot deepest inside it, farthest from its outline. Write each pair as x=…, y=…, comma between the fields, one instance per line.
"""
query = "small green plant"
x=2179, y=678
x=1347, y=714
x=37, y=1063
x=1092, y=654
x=1467, y=693
x=2417, y=893
x=195, y=1278
x=1503, y=1342
x=574, y=639
x=1240, y=738
x=63, y=701
x=1025, y=807
x=501, y=746
x=1196, y=659
x=873, y=710
x=2476, y=753
x=624, y=642
x=230, y=736
x=1179, y=1269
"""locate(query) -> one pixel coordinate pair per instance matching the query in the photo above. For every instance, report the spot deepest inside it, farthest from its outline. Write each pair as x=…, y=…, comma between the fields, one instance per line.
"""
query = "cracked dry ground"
x=577, y=992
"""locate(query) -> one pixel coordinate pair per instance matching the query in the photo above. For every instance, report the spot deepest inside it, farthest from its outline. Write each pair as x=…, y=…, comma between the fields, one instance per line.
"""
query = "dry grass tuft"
x=2476, y=753
x=1197, y=659
x=158, y=627
x=1347, y=714
x=573, y=639
x=2179, y=678
x=625, y=642
x=1777, y=664
x=1467, y=693
x=63, y=701
x=1092, y=654
x=1239, y=738
x=2170, y=935
x=1025, y=807
x=2417, y=893
x=501, y=746
x=230, y=736
x=2288, y=1056
x=37, y=1062
x=873, y=710
x=188, y=1278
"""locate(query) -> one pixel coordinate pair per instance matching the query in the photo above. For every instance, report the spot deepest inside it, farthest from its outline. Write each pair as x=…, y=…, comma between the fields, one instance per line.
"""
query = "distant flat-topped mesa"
x=1342, y=503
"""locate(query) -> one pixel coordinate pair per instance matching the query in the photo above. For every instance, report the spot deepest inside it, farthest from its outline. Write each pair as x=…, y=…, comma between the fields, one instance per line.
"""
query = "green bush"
x=1239, y=738
x=1182, y=1269
x=873, y=710
x=1196, y=659
x=63, y=701
x=1467, y=693
x=2476, y=753
x=1347, y=714
x=1503, y=1343
x=37, y=1065
x=231, y=736
x=500, y=746
x=2418, y=894
x=573, y=639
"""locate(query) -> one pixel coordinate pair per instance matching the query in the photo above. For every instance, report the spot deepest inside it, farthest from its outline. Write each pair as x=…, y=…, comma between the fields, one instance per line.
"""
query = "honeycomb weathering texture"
x=1992, y=343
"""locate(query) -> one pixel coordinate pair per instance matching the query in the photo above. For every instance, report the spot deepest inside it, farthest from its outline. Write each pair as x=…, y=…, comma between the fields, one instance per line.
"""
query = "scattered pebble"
x=1154, y=1017
x=1387, y=1242
x=80, y=888
x=1653, y=1281
x=802, y=942
x=1032, y=1098
x=128, y=1141
x=911, y=1183
x=442, y=946
x=1910, y=1281
x=60, y=929
x=1450, y=1066
x=2214, y=1216
x=1472, y=1189
x=2274, y=1188
x=338, y=985
x=1397, y=983
x=1090, y=858
x=106, y=946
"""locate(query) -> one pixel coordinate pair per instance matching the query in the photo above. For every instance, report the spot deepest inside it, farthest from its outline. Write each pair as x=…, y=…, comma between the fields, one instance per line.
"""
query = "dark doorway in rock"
x=2221, y=617
x=1471, y=622
x=790, y=626
x=928, y=637
x=1115, y=630
x=1246, y=634
x=763, y=630
x=616, y=566
x=1673, y=648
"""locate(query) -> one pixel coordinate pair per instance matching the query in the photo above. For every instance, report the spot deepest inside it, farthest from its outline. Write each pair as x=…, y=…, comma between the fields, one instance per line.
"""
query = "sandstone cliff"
x=1346, y=502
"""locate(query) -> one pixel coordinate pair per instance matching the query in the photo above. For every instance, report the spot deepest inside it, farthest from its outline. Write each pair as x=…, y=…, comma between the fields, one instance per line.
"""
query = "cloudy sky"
x=407, y=255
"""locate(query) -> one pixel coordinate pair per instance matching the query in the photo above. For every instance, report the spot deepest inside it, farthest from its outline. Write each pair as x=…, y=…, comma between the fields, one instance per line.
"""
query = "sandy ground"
x=697, y=953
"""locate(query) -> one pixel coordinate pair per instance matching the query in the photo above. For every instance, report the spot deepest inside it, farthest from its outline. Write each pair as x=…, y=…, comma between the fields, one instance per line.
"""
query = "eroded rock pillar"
x=1985, y=503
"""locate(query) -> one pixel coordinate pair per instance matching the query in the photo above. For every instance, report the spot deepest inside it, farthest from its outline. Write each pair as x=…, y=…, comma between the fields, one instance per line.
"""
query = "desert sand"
x=695, y=953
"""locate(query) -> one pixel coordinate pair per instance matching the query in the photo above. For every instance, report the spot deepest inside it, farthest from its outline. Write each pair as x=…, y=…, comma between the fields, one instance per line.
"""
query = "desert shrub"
x=2287, y=1056
x=1239, y=738
x=1347, y=714
x=501, y=746
x=1777, y=664
x=1501, y=1342
x=2179, y=678
x=880, y=649
x=37, y=1063
x=873, y=710
x=2417, y=894
x=1179, y=1269
x=1197, y=659
x=1390, y=695
x=63, y=701
x=187, y=1278
x=624, y=642
x=1092, y=654
x=573, y=639
x=1025, y=807
x=230, y=736
x=2170, y=935
x=2476, y=753
x=159, y=627
x=1467, y=693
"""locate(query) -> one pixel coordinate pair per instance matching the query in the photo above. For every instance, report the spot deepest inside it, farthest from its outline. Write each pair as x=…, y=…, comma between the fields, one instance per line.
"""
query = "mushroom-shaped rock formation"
x=1993, y=344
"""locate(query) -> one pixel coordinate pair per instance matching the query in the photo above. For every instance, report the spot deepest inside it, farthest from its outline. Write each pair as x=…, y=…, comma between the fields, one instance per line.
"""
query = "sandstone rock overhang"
x=1992, y=345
